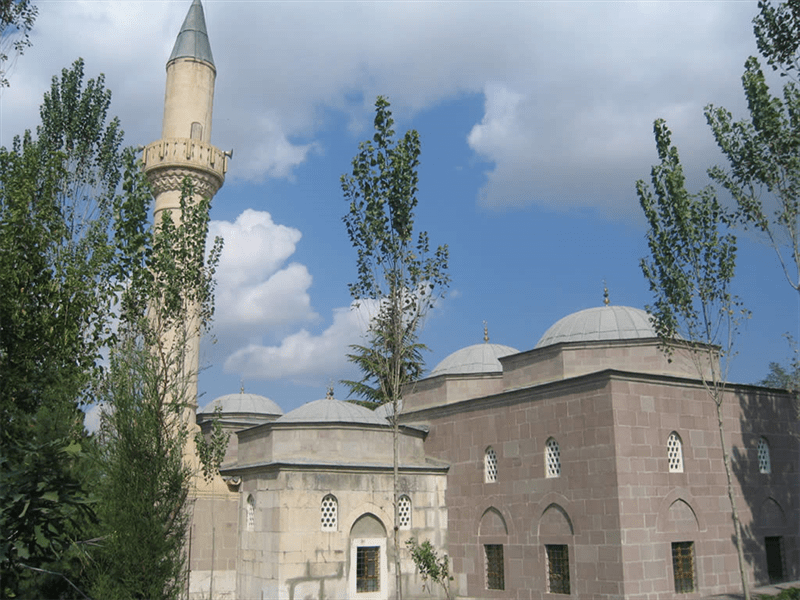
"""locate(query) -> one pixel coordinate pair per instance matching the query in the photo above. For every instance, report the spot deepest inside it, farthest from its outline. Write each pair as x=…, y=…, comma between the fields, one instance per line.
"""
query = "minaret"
x=185, y=149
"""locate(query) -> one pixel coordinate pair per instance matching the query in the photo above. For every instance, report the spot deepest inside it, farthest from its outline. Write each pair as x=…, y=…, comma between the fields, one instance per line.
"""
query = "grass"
x=789, y=594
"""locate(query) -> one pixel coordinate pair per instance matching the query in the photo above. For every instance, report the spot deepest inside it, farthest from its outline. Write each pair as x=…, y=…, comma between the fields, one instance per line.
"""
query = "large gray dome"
x=479, y=358
x=330, y=410
x=243, y=403
x=600, y=323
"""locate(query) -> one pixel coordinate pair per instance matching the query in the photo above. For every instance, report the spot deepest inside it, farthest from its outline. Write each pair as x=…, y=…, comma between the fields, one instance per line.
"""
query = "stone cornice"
x=169, y=161
x=437, y=467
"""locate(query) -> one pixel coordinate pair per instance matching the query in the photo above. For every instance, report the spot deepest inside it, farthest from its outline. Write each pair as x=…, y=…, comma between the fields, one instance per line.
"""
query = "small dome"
x=600, y=323
x=479, y=358
x=330, y=410
x=243, y=403
x=386, y=410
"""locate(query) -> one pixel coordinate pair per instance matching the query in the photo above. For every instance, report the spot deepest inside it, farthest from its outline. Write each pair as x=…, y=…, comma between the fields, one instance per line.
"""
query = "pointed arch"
x=555, y=522
x=492, y=523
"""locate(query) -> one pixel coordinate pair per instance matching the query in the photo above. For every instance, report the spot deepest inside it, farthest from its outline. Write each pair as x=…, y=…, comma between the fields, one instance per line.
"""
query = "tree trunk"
x=396, y=491
x=737, y=527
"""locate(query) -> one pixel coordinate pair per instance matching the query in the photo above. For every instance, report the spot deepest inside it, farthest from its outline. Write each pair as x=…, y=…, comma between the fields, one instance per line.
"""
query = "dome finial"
x=605, y=294
x=329, y=391
x=485, y=332
x=241, y=385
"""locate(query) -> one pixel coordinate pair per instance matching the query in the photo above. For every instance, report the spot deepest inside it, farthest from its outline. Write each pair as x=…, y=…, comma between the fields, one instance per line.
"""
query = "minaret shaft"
x=189, y=100
x=185, y=151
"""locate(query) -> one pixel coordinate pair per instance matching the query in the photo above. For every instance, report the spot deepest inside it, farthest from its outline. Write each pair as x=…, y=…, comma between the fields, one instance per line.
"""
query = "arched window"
x=250, y=513
x=675, y=453
x=404, y=512
x=490, y=466
x=329, y=513
x=552, y=458
x=764, y=463
x=197, y=131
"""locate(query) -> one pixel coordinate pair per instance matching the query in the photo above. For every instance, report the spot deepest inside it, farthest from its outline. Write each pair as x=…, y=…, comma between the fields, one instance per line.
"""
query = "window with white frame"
x=329, y=513
x=552, y=458
x=404, y=512
x=764, y=463
x=675, y=453
x=369, y=577
x=490, y=466
x=250, y=513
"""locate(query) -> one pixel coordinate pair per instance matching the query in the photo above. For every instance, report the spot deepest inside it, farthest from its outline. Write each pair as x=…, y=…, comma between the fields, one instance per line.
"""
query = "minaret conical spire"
x=192, y=41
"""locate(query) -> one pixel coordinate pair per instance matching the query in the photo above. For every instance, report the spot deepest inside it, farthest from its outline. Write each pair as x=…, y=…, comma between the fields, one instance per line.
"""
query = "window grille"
x=368, y=573
x=495, y=572
x=329, y=513
x=764, y=464
x=251, y=513
x=683, y=566
x=404, y=512
x=675, y=453
x=557, y=568
x=490, y=466
x=552, y=458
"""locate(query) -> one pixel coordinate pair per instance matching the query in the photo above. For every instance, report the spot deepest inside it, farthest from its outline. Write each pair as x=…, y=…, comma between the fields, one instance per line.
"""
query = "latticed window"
x=683, y=566
x=490, y=466
x=329, y=512
x=764, y=464
x=368, y=573
x=557, y=568
x=675, y=453
x=250, y=513
x=552, y=457
x=404, y=512
x=495, y=573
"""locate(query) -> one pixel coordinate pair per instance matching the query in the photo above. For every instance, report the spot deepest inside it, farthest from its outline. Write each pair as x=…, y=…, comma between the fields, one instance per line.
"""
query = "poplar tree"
x=145, y=477
x=690, y=270
x=66, y=237
x=396, y=269
x=763, y=150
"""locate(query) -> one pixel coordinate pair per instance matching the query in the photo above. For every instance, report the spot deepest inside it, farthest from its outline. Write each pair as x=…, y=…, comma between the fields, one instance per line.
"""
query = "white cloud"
x=255, y=291
x=571, y=89
x=303, y=357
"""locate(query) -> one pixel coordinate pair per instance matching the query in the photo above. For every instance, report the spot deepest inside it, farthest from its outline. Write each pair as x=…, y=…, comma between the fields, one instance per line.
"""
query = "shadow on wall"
x=766, y=466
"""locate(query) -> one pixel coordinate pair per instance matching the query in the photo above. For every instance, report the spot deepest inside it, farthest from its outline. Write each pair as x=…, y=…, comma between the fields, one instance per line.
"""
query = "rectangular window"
x=774, y=559
x=557, y=568
x=495, y=574
x=683, y=566
x=368, y=577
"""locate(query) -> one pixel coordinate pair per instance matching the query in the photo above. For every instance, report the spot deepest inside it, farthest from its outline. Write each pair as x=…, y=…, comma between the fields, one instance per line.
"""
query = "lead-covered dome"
x=600, y=323
x=479, y=358
x=330, y=410
x=242, y=403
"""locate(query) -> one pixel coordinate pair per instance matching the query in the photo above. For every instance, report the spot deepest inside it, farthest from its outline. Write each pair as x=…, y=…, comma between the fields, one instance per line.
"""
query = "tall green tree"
x=780, y=376
x=396, y=270
x=690, y=270
x=66, y=237
x=763, y=150
x=16, y=22
x=145, y=477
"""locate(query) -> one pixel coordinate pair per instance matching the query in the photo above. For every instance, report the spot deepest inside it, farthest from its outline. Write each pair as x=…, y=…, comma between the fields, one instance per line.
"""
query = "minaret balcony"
x=168, y=161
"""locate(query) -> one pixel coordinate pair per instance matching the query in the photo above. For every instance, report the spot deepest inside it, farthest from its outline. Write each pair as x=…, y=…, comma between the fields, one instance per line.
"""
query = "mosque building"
x=588, y=466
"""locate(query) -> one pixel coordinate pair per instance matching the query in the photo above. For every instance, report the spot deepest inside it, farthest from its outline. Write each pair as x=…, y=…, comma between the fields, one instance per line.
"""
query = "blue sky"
x=535, y=120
